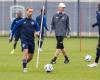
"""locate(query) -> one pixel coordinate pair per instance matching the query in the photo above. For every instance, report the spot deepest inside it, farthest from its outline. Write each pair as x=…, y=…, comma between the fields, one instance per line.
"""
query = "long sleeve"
x=95, y=24
x=98, y=19
x=68, y=21
x=12, y=25
x=16, y=26
x=52, y=24
x=37, y=26
x=45, y=23
x=67, y=25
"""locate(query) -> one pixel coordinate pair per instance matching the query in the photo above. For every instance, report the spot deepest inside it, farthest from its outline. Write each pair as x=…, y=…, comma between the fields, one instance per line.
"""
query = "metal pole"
x=37, y=64
x=45, y=13
x=78, y=18
x=46, y=7
x=15, y=2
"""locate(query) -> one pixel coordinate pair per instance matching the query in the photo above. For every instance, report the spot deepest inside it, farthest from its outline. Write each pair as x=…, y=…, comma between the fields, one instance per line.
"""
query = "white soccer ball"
x=48, y=67
x=88, y=58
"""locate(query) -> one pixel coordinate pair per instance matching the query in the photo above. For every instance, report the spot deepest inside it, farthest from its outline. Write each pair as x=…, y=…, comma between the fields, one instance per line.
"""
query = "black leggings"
x=41, y=42
x=59, y=42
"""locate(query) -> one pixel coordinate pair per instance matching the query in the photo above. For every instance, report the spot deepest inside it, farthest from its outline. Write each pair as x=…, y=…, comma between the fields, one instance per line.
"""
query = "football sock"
x=24, y=63
x=41, y=42
x=29, y=60
x=66, y=57
x=15, y=45
x=96, y=59
x=54, y=59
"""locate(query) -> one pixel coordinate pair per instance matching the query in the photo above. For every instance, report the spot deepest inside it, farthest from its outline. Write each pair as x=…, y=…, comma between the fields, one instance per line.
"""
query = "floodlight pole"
x=46, y=8
x=80, y=23
x=78, y=18
x=45, y=13
x=15, y=2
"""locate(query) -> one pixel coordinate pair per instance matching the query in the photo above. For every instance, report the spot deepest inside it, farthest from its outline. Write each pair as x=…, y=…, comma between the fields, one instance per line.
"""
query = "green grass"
x=11, y=68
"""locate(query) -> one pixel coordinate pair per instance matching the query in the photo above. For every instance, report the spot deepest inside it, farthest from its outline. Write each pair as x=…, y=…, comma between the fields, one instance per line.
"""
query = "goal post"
x=15, y=9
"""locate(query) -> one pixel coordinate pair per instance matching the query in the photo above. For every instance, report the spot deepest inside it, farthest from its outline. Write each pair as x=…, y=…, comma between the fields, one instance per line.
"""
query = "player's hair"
x=28, y=9
x=44, y=11
x=19, y=14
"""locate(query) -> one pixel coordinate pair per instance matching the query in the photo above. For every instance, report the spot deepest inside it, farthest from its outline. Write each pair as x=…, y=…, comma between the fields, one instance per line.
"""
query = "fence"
x=82, y=15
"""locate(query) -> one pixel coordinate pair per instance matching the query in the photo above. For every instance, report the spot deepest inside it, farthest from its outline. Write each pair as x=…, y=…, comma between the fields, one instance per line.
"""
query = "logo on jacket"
x=24, y=22
x=32, y=23
x=23, y=45
x=57, y=17
x=63, y=18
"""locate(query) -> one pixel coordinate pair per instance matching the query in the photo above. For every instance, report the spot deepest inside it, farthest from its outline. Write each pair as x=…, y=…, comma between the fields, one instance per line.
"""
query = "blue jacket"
x=12, y=25
x=98, y=19
x=28, y=27
x=44, y=25
x=14, y=22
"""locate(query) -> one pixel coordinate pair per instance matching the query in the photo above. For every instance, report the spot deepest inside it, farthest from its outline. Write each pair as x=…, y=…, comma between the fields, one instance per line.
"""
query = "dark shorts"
x=30, y=45
x=60, y=42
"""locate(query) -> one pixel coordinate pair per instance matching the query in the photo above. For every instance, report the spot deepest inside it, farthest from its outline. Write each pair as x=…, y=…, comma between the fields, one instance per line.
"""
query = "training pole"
x=81, y=17
x=37, y=63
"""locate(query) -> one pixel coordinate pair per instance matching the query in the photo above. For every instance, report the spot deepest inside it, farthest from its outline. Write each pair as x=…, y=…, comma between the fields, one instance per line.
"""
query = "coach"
x=60, y=24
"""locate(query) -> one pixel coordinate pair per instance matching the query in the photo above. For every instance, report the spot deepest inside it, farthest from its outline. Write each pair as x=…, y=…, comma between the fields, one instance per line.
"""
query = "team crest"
x=32, y=23
x=24, y=22
x=23, y=45
x=57, y=17
x=63, y=18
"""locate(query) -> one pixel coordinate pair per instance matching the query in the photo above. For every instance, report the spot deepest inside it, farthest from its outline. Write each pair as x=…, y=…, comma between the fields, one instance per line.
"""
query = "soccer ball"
x=48, y=67
x=88, y=58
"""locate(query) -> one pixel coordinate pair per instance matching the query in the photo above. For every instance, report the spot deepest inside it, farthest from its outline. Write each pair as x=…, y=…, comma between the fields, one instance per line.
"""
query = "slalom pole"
x=38, y=55
x=81, y=17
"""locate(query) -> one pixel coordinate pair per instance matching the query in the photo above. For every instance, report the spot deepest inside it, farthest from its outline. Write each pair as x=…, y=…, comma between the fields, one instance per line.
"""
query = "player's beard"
x=29, y=16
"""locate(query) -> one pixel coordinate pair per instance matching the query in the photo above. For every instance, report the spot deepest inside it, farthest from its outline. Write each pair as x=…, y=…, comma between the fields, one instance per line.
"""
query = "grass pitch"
x=76, y=69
